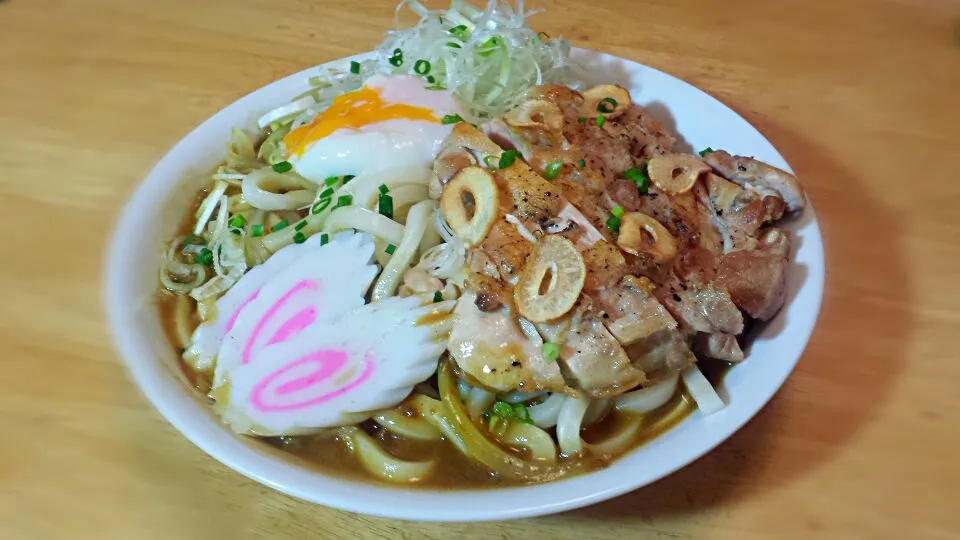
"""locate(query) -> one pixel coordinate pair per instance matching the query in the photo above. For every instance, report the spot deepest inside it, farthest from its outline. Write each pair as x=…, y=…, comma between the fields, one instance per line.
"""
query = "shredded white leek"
x=488, y=59
x=209, y=204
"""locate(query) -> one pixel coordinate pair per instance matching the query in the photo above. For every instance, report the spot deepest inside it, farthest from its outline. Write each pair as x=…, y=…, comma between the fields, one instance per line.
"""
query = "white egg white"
x=382, y=145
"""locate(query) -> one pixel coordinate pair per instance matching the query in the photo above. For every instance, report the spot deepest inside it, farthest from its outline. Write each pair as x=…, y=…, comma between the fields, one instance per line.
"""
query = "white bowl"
x=152, y=214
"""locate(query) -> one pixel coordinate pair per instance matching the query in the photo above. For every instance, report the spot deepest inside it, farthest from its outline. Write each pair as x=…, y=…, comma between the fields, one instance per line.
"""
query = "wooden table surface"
x=862, y=97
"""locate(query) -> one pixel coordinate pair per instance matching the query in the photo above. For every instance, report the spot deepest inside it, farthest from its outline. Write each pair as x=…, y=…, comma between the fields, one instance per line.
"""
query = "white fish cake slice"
x=319, y=286
x=208, y=337
x=336, y=373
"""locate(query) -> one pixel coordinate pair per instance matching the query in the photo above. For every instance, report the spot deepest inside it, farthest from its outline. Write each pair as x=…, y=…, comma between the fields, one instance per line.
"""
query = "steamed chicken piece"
x=494, y=350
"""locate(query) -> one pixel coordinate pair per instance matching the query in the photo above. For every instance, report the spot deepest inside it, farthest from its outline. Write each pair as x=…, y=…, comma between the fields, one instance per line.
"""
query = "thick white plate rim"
x=180, y=406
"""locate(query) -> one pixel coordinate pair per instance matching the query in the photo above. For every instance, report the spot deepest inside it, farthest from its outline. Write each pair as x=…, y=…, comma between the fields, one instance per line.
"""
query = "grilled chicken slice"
x=757, y=279
x=661, y=354
x=646, y=136
x=704, y=308
x=591, y=359
x=496, y=352
x=532, y=197
x=464, y=147
x=632, y=312
x=758, y=177
x=720, y=346
x=506, y=247
x=606, y=265
x=737, y=213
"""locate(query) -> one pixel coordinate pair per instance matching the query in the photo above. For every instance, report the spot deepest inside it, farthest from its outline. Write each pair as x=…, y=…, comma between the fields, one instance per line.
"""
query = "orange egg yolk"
x=352, y=110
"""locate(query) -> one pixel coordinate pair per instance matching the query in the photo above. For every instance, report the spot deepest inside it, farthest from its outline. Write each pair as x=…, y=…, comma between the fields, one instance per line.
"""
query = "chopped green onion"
x=607, y=105
x=489, y=46
x=507, y=158
x=506, y=411
x=582, y=119
x=192, y=239
x=502, y=409
x=397, y=59
x=543, y=36
x=706, y=150
x=488, y=162
x=236, y=231
x=421, y=67
x=301, y=224
x=343, y=200
x=348, y=178
x=280, y=225
x=326, y=193
x=204, y=257
x=613, y=223
x=460, y=32
x=237, y=221
x=431, y=79
x=521, y=413
x=436, y=87
x=638, y=175
x=324, y=238
x=390, y=249
x=320, y=206
x=282, y=167
x=600, y=121
x=581, y=163
x=299, y=238
x=331, y=180
x=385, y=205
x=617, y=211
x=552, y=170
x=354, y=67
x=551, y=351
x=256, y=230
x=383, y=189
x=451, y=119
x=437, y=296
x=453, y=45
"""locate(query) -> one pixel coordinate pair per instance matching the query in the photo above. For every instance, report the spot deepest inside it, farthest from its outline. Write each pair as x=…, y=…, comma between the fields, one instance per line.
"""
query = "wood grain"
x=862, y=97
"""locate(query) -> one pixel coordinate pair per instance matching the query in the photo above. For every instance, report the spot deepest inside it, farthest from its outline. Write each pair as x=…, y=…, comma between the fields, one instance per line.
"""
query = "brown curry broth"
x=453, y=470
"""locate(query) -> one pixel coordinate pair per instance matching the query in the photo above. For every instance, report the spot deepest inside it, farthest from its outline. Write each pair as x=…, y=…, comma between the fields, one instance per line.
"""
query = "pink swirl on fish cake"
x=287, y=329
x=268, y=393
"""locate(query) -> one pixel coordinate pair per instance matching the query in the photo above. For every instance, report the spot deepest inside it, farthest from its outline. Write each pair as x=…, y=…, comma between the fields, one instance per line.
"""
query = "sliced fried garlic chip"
x=609, y=100
x=640, y=233
x=675, y=173
x=551, y=280
x=469, y=204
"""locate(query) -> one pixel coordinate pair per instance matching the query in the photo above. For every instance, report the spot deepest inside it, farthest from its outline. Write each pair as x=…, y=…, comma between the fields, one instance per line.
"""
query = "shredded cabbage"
x=488, y=59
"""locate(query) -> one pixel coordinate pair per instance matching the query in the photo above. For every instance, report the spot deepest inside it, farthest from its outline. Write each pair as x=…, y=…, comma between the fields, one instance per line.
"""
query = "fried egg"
x=392, y=121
